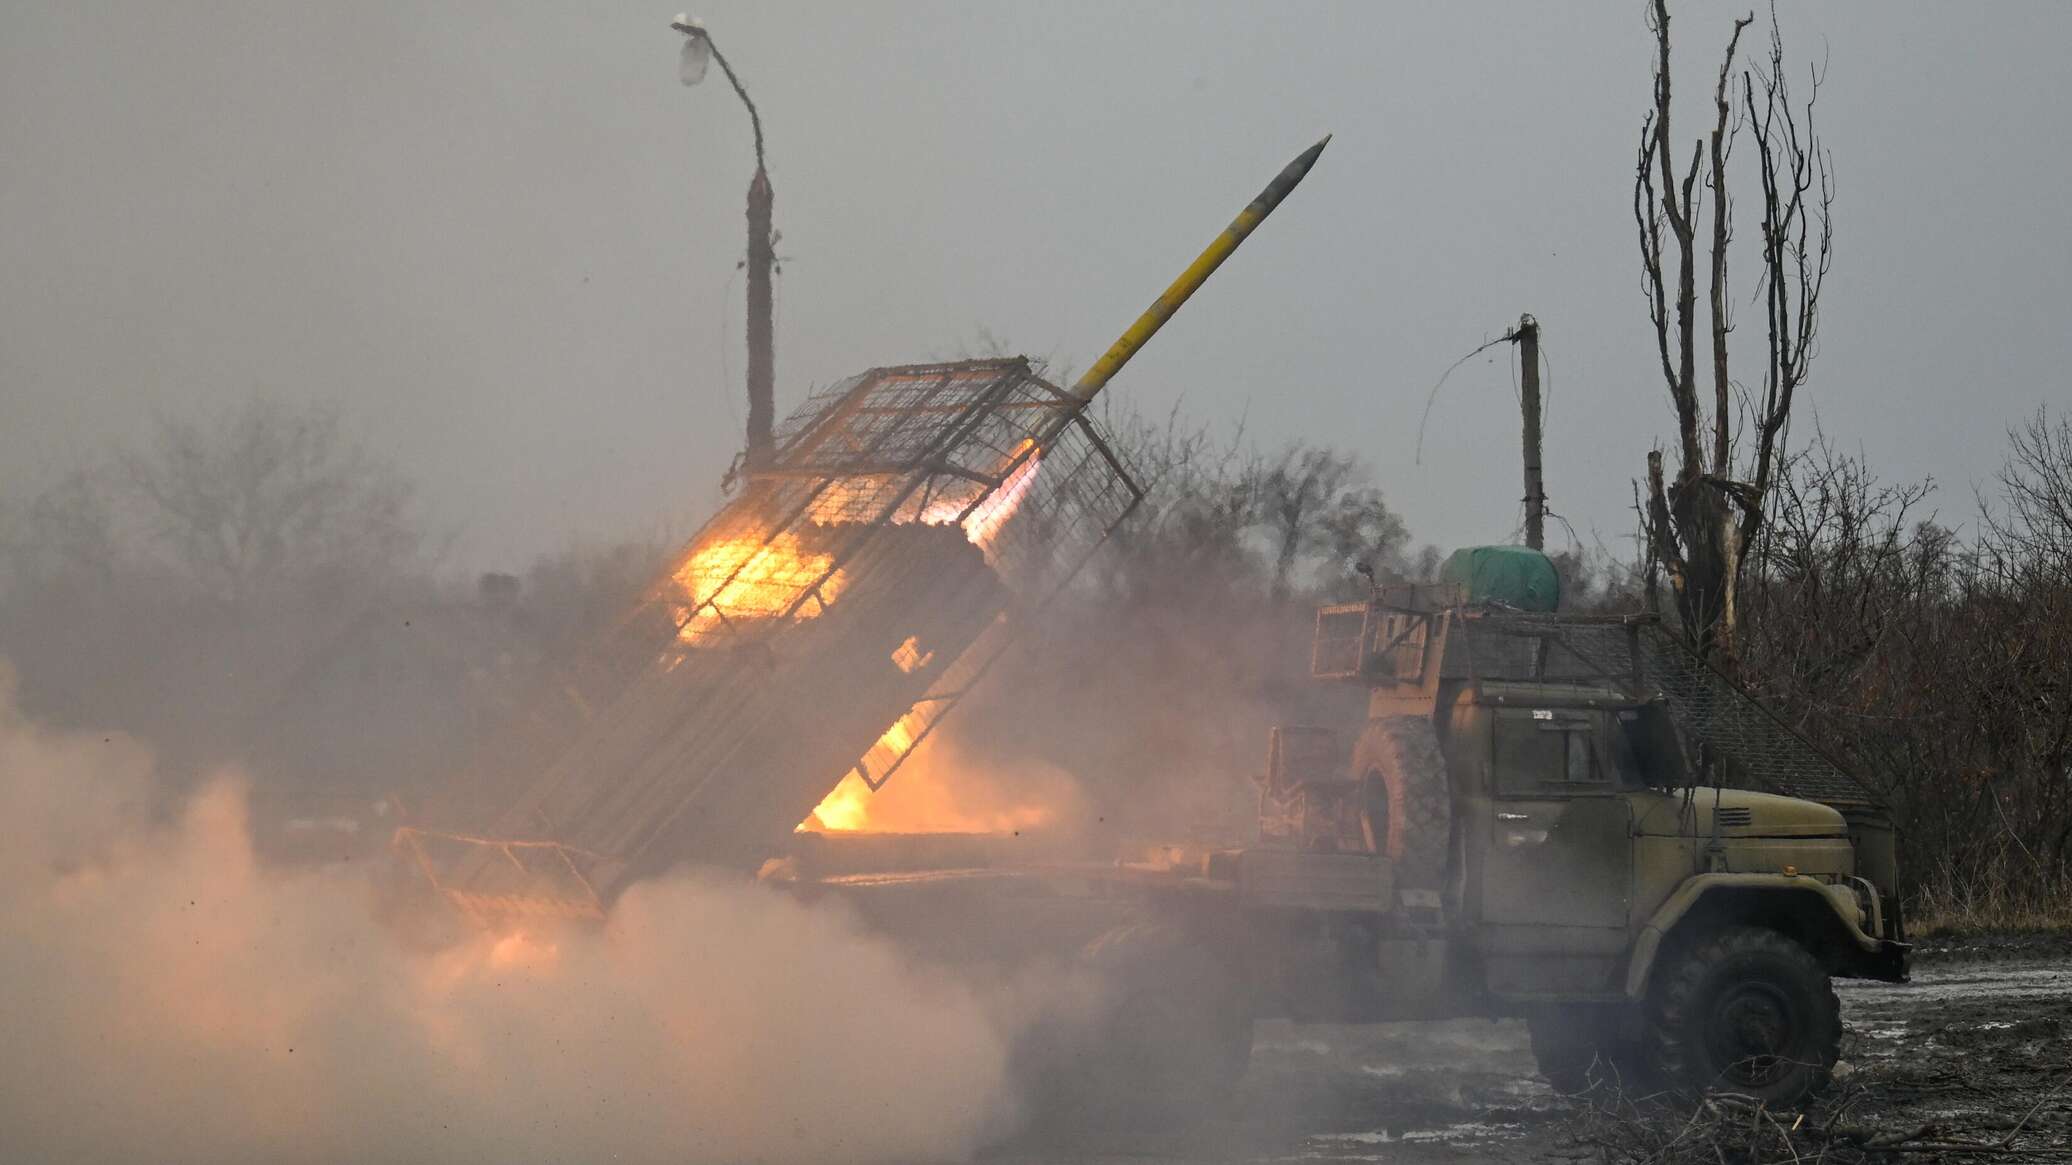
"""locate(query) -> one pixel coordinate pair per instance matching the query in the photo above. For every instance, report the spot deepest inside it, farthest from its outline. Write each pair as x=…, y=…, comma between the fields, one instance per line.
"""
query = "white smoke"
x=164, y=998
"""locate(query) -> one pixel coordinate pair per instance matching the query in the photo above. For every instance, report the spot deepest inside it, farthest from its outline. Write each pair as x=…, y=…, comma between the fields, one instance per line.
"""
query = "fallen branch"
x=1730, y=1129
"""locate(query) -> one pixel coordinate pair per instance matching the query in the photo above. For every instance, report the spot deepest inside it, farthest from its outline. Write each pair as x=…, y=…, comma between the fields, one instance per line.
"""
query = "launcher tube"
x=1139, y=333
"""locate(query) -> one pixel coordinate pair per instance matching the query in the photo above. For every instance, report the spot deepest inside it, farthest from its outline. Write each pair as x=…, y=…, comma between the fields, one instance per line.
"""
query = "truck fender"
x=1830, y=908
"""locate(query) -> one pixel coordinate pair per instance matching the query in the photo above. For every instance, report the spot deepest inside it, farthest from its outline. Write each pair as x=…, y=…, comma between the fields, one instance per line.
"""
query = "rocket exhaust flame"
x=749, y=579
x=848, y=805
x=944, y=788
x=983, y=524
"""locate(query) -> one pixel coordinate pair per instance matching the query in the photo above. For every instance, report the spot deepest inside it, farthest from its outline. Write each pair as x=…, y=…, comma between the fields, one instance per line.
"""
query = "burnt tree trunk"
x=1701, y=520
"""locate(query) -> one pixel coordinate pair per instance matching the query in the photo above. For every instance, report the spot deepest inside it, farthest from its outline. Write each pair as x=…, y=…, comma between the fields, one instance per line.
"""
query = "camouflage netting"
x=1756, y=748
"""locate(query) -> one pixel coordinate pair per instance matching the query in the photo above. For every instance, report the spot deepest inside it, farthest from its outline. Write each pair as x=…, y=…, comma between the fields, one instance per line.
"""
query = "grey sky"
x=504, y=238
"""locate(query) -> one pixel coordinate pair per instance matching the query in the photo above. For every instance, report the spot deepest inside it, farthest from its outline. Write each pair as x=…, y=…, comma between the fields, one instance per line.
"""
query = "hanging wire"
x=1432, y=396
x=1547, y=385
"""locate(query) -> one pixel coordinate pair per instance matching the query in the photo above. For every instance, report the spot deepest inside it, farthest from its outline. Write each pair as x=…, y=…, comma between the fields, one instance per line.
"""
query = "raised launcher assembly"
x=911, y=520
x=825, y=620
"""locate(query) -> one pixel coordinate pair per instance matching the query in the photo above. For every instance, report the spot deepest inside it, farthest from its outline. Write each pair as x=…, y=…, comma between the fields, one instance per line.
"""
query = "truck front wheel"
x=1745, y=1010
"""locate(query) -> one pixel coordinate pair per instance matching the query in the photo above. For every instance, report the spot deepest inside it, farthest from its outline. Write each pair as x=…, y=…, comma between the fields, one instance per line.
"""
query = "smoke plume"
x=165, y=997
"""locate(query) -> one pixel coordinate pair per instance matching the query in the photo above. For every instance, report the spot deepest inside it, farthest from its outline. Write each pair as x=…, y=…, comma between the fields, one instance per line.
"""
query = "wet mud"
x=1978, y=1046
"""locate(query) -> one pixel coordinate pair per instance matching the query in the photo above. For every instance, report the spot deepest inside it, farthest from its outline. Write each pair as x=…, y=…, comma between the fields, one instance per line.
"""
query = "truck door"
x=1557, y=863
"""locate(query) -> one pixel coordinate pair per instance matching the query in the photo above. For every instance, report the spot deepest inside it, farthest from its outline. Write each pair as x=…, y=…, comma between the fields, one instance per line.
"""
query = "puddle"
x=1969, y=985
x=1312, y=1047
x=1464, y=1132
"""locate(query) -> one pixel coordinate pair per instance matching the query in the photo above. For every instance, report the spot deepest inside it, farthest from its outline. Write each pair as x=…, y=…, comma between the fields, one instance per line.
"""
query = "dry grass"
x=2008, y=897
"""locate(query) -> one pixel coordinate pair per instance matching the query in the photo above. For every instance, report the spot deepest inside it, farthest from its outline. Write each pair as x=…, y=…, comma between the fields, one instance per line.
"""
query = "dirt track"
x=1982, y=1036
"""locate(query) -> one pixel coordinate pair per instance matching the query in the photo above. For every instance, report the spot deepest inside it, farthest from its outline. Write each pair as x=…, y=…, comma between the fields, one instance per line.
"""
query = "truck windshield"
x=1644, y=747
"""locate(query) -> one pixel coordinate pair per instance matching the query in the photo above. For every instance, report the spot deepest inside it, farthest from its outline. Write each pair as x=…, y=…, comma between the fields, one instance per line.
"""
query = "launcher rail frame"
x=909, y=445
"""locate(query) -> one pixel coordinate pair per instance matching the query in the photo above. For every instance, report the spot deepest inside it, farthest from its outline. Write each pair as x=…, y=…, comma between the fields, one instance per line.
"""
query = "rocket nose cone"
x=1308, y=157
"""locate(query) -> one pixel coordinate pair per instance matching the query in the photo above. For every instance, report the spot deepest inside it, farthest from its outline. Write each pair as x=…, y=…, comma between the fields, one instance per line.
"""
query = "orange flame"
x=940, y=790
x=926, y=804
x=983, y=524
x=743, y=578
x=845, y=809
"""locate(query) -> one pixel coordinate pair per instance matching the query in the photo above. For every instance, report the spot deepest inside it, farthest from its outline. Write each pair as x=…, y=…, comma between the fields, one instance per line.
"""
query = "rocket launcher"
x=910, y=522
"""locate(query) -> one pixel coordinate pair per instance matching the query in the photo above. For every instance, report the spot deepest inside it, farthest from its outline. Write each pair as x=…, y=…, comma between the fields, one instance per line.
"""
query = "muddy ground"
x=1979, y=1043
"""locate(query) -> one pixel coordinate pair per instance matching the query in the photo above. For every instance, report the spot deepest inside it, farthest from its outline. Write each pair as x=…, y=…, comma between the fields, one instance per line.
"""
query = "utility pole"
x=1528, y=337
x=762, y=359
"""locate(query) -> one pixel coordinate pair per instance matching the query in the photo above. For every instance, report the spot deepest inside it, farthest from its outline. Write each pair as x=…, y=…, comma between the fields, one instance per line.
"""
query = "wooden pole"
x=762, y=347
x=1529, y=399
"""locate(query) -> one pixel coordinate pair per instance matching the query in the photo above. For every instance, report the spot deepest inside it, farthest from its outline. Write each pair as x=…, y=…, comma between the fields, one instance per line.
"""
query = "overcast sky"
x=505, y=238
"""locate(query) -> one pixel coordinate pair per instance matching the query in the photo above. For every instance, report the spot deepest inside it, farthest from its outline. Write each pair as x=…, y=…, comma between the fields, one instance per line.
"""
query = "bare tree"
x=2034, y=525
x=64, y=536
x=266, y=494
x=1360, y=527
x=1297, y=492
x=1701, y=523
x=1187, y=537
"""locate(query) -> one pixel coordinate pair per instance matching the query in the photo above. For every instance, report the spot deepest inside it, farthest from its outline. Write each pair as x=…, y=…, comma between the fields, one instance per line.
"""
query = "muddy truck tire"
x=1416, y=830
x=1170, y=1039
x=1583, y=1048
x=1744, y=1010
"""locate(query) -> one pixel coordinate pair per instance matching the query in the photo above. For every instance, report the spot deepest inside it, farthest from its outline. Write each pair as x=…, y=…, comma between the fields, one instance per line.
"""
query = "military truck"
x=1553, y=817
x=1560, y=818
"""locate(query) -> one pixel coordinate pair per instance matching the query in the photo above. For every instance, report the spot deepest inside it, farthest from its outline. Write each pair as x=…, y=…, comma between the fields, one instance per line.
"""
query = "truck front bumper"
x=1887, y=962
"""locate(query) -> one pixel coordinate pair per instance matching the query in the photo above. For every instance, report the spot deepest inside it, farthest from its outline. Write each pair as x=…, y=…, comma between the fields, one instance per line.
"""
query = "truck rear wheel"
x=1581, y=1048
x=1745, y=1010
x=1172, y=1039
